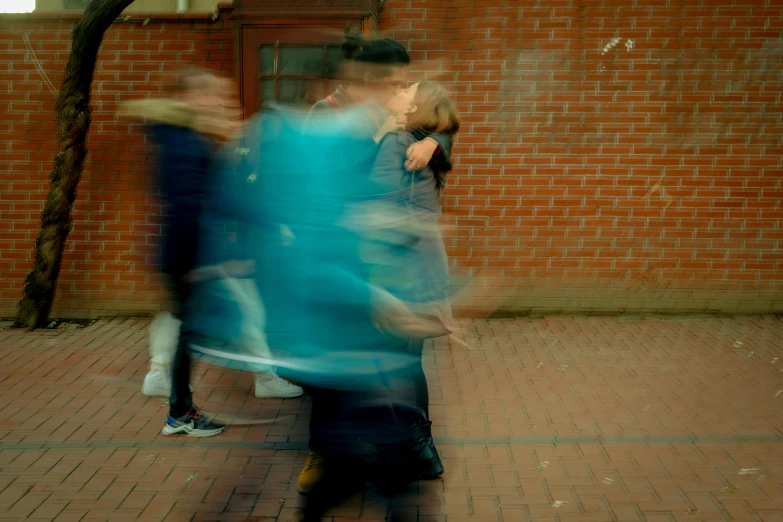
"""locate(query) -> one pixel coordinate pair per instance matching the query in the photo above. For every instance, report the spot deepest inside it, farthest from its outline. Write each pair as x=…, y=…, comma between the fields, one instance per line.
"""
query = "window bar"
x=277, y=72
x=324, y=81
x=260, y=79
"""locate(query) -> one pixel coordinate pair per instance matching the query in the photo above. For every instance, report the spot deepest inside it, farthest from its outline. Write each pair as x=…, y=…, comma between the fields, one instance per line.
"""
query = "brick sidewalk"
x=557, y=419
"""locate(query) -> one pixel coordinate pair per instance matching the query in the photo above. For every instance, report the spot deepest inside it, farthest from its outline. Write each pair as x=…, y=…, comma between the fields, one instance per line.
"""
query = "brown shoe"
x=311, y=474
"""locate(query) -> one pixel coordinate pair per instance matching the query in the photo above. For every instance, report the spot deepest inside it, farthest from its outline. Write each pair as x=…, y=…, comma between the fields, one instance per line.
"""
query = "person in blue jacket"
x=325, y=310
x=331, y=328
x=374, y=71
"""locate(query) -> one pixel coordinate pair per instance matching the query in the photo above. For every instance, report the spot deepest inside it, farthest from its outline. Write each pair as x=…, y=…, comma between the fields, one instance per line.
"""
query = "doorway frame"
x=308, y=15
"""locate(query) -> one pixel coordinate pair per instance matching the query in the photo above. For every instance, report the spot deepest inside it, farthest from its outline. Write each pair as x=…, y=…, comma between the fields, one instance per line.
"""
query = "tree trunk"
x=73, y=122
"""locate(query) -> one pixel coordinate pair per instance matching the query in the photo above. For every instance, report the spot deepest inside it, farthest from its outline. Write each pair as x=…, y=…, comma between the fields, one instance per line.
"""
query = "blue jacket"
x=316, y=290
x=416, y=269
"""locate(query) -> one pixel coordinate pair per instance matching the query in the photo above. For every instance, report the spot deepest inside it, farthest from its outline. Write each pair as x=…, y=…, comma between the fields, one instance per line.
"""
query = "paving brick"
x=26, y=505
x=11, y=495
x=71, y=515
x=710, y=451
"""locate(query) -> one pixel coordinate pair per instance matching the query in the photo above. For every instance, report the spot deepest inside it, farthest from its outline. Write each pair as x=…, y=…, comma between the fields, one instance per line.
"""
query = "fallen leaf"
x=559, y=503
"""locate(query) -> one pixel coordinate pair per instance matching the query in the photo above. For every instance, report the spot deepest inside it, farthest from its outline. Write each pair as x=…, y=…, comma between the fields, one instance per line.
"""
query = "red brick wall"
x=592, y=179
x=112, y=249
x=641, y=179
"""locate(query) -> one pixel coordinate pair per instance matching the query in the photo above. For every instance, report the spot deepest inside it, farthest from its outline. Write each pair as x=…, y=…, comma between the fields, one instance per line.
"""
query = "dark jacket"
x=189, y=164
x=185, y=173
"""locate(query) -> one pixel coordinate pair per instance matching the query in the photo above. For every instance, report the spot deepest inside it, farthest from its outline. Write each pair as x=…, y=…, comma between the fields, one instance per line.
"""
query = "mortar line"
x=468, y=441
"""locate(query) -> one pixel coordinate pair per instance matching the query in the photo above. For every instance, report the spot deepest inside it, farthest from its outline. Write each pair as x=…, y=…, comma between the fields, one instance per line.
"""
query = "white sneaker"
x=270, y=386
x=158, y=384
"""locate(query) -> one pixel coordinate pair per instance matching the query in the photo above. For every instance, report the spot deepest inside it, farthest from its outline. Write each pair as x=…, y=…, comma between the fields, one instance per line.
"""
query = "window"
x=297, y=74
x=17, y=6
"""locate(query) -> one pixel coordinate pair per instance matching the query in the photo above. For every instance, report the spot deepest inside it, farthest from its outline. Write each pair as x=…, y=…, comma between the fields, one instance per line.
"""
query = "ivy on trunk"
x=73, y=122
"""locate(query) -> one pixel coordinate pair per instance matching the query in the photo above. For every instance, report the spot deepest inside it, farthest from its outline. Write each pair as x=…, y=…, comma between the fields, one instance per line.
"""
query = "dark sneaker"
x=193, y=424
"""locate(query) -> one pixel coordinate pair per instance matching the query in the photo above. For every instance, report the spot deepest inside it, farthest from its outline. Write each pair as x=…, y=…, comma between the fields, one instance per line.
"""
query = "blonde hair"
x=435, y=112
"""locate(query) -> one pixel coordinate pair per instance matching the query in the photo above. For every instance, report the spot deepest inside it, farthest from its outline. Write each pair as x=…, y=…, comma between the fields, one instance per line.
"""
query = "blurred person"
x=374, y=73
x=330, y=328
x=188, y=129
x=186, y=146
x=347, y=337
x=420, y=275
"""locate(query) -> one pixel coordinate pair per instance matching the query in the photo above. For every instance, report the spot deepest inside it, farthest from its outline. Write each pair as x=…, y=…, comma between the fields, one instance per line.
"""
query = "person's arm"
x=434, y=151
x=443, y=154
x=387, y=313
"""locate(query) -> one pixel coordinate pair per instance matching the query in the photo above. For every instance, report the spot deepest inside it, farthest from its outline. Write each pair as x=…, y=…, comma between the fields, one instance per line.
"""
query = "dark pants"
x=420, y=389
x=341, y=416
x=181, y=400
x=372, y=435
x=375, y=435
x=326, y=404
x=330, y=404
